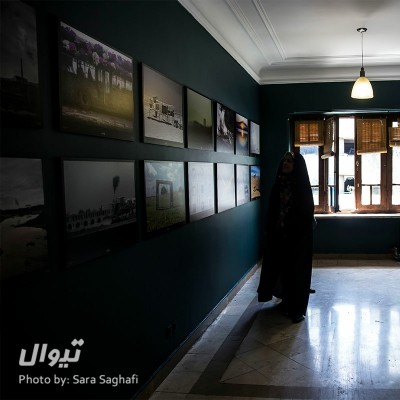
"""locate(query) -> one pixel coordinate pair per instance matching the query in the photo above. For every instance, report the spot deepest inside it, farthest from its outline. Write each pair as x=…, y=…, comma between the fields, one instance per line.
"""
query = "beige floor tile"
x=263, y=357
x=250, y=378
x=179, y=382
x=167, y=396
x=235, y=369
x=208, y=345
x=193, y=363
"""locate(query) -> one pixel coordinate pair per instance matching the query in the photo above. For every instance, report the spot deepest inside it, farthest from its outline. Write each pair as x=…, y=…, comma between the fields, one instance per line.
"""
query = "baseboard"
x=352, y=256
x=159, y=376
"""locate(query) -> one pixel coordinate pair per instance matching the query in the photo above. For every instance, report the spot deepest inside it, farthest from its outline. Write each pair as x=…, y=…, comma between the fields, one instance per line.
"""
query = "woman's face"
x=287, y=166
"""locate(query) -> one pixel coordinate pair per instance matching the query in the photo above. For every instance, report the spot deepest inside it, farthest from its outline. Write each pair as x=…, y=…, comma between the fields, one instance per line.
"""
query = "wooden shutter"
x=394, y=137
x=329, y=134
x=371, y=136
x=309, y=133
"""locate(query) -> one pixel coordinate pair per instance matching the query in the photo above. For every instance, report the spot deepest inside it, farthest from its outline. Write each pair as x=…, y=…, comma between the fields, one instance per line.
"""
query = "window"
x=346, y=154
x=311, y=156
x=353, y=161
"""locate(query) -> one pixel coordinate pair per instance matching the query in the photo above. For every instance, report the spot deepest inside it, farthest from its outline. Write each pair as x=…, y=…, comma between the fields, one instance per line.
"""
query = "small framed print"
x=225, y=126
x=201, y=190
x=165, y=194
x=23, y=230
x=255, y=181
x=199, y=121
x=162, y=109
x=254, y=139
x=242, y=135
x=96, y=86
x=225, y=186
x=19, y=72
x=100, y=208
x=242, y=184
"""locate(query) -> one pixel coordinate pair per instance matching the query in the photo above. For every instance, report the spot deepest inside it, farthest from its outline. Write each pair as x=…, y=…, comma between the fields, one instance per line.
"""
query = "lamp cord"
x=362, y=49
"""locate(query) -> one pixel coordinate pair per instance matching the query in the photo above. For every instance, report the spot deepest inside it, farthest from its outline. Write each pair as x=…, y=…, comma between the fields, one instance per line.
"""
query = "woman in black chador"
x=287, y=263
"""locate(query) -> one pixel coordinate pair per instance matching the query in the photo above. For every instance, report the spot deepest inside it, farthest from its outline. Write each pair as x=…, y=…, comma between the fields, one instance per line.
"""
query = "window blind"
x=309, y=133
x=371, y=136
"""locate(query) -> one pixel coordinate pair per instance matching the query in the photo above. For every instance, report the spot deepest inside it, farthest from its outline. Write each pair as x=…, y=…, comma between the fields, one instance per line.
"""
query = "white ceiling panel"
x=293, y=41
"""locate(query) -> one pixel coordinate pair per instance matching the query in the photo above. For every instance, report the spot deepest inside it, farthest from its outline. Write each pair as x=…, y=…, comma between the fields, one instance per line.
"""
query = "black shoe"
x=282, y=308
x=297, y=318
x=312, y=290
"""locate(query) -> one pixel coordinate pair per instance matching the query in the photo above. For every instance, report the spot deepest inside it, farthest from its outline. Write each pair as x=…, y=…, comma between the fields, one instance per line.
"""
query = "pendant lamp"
x=362, y=88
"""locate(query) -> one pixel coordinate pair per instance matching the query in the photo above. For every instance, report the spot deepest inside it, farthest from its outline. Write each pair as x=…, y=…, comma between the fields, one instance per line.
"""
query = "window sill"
x=353, y=215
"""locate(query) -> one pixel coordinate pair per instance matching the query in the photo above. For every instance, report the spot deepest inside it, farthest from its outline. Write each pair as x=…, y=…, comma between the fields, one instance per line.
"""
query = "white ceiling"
x=293, y=41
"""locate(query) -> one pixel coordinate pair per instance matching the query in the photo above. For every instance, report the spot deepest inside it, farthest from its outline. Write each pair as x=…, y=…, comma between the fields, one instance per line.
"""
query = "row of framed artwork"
x=100, y=207
x=97, y=96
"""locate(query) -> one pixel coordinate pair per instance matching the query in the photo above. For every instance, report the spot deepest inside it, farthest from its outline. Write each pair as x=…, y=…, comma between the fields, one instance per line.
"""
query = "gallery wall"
x=334, y=235
x=123, y=304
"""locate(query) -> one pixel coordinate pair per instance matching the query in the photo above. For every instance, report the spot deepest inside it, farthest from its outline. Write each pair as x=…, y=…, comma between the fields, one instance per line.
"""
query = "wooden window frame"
x=385, y=205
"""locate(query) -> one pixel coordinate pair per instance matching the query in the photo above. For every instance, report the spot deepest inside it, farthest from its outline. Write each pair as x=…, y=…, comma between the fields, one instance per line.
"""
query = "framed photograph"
x=96, y=87
x=199, y=121
x=201, y=190
x=165, y=194
x=242, y=135
x=100, y=207
x=255, y=182
x=225, y=138
x=19, y=73
x=22, y=226
x=242, y=184
x=254, y=139
x=162, y=109
x=225, y=186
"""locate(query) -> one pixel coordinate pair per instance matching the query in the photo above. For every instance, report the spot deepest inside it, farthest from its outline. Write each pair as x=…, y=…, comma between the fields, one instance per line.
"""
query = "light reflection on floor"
x=348, y=347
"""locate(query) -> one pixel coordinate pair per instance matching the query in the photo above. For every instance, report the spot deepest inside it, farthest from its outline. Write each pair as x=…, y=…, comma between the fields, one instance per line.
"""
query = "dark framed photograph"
x=19, y=72
x=22, y=223
x=165, y=194
x=199, y=121
x=242, y=184
x=162, y=109
x=225, y=186
x=242, y=135
x=225, y=138
x=254, y=139
x=96, y=87
x=100, y=207
x=255, y=182
x=201, y=190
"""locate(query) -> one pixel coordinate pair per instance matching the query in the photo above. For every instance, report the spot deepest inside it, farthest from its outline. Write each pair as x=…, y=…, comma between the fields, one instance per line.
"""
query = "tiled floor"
x=348, y=347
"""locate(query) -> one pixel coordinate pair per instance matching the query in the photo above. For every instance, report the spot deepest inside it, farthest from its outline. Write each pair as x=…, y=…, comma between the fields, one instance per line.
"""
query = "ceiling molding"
x=320, y=75
x=303, y=42
x=252, y=33
x=192, y=9
x=270, y=28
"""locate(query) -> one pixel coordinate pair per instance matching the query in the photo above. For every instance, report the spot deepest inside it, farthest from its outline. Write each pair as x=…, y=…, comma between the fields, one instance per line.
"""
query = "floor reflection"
x=348, y=347
x=350, y=338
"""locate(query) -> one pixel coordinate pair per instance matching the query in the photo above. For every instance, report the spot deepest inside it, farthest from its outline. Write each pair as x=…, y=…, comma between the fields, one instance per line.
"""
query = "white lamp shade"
x=362, y=89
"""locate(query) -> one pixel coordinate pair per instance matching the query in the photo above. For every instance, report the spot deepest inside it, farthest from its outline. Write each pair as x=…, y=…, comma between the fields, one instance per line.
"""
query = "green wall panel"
x=277, y=103
x=121, y=304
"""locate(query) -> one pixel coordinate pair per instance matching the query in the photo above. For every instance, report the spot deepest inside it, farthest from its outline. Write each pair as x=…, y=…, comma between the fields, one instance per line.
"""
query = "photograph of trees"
x=96, y=87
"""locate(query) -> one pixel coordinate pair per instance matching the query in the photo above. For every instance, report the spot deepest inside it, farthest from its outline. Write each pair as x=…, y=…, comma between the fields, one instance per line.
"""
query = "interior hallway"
x=348, y=347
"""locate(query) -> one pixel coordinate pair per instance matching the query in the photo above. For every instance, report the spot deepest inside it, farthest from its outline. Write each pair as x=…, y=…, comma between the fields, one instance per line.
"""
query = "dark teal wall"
x=121, y=304
x=333, y=235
